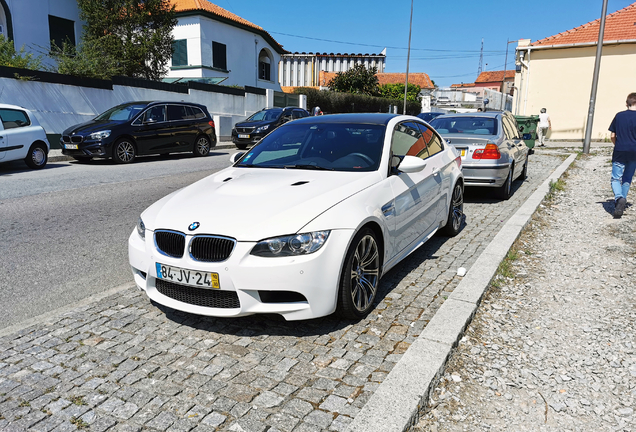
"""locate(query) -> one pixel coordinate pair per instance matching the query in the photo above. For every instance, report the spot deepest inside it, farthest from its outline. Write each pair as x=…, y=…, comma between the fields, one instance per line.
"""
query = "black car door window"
x=14, y=118
x=408, y=140
x=156, y=114
x=433, y=142
x=177, y=112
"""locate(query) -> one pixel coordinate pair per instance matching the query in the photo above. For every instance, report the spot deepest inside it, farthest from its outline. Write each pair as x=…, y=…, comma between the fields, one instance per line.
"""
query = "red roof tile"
x=463, y=85
x=494, y=76
x=621, y=25
x=420, y=79
x=206, y=6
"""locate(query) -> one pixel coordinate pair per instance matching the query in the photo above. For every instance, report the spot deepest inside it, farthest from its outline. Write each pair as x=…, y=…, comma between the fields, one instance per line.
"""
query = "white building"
x=34, y=23
x=303, y=69
x=210, y=42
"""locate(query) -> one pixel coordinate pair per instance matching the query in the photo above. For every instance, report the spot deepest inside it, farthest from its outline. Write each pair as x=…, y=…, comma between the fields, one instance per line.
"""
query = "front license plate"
x=188, y=277
x=70, y=146
x=243, y=136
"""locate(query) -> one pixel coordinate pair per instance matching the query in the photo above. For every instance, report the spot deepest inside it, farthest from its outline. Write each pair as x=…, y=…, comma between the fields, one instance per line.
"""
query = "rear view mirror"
x=411, y=164
x=236, y=156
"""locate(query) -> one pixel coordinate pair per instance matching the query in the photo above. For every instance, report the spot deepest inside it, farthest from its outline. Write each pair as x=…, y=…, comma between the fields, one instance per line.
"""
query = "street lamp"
x=408, y=58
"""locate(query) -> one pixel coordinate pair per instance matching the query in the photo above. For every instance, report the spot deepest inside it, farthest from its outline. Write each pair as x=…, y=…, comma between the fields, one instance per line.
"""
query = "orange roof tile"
x=463, y=85
x=420, y=79
x=620, y=25
x=206, y=6
x=494, y=76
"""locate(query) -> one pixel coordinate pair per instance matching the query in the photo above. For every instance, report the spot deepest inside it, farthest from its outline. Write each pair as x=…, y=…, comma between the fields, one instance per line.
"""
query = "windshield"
x=323, y=146
x=265, y=115
x=465, y=125
x=121, y=112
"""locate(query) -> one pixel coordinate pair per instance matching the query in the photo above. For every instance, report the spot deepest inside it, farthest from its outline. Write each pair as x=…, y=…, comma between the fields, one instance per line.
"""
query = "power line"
x=381, y=46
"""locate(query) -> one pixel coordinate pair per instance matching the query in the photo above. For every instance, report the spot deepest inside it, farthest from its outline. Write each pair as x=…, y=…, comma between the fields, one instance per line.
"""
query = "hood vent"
x=300, y=183
x=227, y=179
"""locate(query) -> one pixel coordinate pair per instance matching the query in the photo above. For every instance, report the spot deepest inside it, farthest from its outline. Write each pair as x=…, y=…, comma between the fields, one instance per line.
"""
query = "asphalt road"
x=64, y=230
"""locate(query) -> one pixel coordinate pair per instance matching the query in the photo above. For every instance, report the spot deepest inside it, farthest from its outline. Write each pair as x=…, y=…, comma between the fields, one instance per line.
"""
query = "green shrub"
x=335, y=102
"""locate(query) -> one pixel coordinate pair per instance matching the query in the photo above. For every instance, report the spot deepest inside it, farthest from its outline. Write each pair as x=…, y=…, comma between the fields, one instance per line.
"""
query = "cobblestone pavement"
x=126, y=364
x=552, y=346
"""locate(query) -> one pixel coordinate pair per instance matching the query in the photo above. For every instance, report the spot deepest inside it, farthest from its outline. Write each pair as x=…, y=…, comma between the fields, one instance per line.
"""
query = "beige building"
x=556, y=73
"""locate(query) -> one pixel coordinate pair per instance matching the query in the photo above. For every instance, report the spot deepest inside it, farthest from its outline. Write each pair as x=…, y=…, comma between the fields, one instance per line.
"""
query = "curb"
x=58, y=157
x=395, y=405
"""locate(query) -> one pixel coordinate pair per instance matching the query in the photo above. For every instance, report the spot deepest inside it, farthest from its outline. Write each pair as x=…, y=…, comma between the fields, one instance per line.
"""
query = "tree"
x=396, y=91
x=86, y=60
x=17, y=59
x=358, y=80
x=135, y=34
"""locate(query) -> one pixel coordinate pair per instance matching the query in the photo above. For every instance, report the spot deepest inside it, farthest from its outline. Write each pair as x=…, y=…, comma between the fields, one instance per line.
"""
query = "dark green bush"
x=336, y=102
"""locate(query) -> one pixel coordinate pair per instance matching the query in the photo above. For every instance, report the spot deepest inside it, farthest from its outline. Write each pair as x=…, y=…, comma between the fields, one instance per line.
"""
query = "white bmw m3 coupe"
x=305, y=223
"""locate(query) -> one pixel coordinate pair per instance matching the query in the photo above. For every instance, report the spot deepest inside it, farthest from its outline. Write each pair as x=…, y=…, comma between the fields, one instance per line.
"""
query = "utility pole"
x=481, y=59
x=597, y=68
x=408, y=59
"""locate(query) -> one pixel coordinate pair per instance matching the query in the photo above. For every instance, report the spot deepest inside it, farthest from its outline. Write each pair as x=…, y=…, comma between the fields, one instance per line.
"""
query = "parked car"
x=427, y=117
x=340, y=200
x=22, y=137
x=142, y=128
x=492, y=151
x=259, y=124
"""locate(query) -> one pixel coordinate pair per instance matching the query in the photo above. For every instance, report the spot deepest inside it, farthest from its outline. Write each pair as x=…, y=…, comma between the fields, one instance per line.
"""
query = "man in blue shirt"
x=623, y=129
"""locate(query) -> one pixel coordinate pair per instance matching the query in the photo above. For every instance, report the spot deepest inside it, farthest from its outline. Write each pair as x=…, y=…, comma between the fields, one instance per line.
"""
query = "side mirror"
x=411, y=164
x=236, y=156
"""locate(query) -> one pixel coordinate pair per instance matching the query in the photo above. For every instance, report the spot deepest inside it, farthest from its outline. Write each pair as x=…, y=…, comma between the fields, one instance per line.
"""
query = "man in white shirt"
x=544, y=125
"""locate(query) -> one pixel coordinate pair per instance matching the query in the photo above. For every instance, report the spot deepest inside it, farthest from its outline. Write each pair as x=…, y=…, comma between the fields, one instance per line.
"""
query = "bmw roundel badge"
x=194, y=225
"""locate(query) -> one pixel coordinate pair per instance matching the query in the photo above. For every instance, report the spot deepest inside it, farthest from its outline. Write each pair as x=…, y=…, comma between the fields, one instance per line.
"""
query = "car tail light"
x=491, y=151
x=211, y=123
x=458, y=159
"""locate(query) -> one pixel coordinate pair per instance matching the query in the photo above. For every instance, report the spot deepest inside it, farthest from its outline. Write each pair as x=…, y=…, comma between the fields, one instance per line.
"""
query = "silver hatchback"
x=492, y=150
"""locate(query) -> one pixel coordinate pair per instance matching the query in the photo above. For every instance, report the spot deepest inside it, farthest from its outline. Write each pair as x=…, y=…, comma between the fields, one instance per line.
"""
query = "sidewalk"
x=552, y=346
x=118, y=361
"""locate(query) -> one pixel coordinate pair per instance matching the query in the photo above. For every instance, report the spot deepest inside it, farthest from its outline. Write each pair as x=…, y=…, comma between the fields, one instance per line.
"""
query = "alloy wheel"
x=125, y=151
x=365, y=272
x=203, y=146
x=457, y=211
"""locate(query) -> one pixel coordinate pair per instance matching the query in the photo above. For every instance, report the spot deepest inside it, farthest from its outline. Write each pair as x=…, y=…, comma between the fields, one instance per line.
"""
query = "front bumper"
x=101, y=149
x=253, y=279
x=492, y=175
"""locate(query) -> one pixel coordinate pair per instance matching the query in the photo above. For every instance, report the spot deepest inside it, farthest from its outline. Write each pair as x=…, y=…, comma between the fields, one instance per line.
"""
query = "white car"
x=305, y=223
x=22, y=137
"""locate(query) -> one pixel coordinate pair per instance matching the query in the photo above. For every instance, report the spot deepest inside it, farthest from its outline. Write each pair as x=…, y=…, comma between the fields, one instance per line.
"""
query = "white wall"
x=30, y=20
x=243, y=48
x=58, y=106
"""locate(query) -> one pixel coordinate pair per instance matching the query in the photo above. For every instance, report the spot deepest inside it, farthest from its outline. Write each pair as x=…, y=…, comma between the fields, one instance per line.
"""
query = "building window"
x=61, y=30
x=219, y=55
x=180, y=52
x=264, y=66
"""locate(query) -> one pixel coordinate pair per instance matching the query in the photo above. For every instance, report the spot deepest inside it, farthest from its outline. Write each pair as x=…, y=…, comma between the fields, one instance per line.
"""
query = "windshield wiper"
x=308, y=166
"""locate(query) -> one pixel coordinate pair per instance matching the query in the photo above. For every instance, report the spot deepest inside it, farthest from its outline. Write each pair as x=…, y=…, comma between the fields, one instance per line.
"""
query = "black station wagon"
x=142, y=128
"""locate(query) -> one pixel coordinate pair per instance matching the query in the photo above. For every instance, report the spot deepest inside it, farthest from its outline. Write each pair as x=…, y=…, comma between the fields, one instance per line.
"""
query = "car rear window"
x=466, y=125
x=14, y=118
x=322, y=146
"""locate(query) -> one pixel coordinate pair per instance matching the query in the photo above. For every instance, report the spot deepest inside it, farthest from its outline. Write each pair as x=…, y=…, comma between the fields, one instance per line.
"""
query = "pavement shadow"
x=15, y=167
x=608, y=205
x=149, y=158
x=483, y=195
x=276, y=325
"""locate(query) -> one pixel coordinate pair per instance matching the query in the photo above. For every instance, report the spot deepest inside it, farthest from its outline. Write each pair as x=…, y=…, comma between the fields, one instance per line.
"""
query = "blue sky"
x=446, y=38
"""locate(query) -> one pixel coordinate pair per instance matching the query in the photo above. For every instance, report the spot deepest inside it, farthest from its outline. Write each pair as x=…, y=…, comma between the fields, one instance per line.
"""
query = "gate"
x=282, y=100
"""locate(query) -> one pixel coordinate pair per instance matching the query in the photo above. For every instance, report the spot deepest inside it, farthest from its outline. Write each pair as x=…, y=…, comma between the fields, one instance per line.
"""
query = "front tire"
x=37, y=156
x=455, y=212
x=505, y=190
x=360, y=276
x=124, y=151
x=202, y=146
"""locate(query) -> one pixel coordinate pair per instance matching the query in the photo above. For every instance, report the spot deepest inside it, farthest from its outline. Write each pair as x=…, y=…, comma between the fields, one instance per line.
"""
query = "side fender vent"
x=227, y=179
x=300, y=183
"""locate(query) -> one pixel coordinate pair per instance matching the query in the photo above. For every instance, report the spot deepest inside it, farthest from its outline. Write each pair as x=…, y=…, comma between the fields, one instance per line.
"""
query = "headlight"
x=141, y=229
x=261, y=129
x=99, y=135
x=297, y=244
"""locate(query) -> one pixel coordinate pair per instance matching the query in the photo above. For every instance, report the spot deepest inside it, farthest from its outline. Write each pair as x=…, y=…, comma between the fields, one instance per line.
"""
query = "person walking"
x=544, y=125
x=623, y=129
